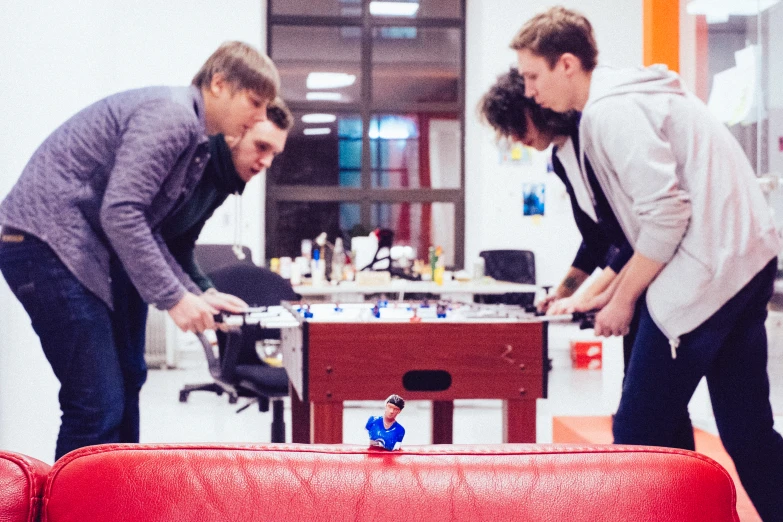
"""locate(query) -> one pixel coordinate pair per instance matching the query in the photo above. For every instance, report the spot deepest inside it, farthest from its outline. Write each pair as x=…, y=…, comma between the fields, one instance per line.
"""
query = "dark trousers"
x=683, y=436
x=97, y=354
x=730, y=349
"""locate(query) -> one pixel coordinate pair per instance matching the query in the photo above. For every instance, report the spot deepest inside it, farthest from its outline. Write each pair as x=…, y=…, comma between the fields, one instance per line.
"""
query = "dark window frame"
x=366, y=196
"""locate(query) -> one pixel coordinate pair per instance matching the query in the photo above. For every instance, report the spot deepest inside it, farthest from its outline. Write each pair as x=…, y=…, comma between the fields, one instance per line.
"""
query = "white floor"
x=209, y=418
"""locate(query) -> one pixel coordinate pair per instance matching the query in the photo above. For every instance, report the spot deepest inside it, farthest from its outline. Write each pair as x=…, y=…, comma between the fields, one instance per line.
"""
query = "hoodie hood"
x=609, y=81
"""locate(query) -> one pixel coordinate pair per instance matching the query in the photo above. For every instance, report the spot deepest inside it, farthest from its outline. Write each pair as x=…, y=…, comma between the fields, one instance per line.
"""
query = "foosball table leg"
x=442, y=422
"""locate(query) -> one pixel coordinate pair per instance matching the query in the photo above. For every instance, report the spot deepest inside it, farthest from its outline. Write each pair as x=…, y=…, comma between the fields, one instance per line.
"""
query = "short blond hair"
x=243, y=67
x=558, y=31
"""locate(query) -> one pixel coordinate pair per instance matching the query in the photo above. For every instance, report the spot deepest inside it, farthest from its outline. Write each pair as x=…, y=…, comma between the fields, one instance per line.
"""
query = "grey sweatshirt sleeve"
x=155, y=136
x=633, y=147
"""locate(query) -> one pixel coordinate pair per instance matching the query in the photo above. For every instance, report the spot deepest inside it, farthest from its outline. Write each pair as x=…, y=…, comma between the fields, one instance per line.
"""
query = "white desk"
x=350, y=291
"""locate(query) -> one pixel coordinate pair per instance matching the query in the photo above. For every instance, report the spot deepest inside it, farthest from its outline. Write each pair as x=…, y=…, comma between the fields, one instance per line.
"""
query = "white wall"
x=58, y=57
x=493, y=193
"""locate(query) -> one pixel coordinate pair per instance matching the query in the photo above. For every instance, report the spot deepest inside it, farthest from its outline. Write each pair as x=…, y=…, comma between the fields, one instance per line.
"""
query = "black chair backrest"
x=256, y=286
x=253, y=284
x=211, y=258
x=516, y=266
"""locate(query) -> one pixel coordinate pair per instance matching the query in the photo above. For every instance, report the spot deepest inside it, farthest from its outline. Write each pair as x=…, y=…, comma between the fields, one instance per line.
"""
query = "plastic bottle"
x=338, y=261
x=317, y=268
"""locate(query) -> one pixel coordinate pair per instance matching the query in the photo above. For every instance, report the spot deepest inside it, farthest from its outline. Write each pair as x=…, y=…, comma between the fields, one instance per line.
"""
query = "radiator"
x=161, y=344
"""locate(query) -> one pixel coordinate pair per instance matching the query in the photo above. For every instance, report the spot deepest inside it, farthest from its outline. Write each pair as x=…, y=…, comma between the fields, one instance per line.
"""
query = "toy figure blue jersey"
x=388, y=438
x=379, y=436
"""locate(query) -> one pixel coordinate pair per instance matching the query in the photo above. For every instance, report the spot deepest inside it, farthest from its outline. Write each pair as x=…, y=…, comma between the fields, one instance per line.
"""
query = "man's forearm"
x=636, y=276
x=571, y=282
x=601, y=283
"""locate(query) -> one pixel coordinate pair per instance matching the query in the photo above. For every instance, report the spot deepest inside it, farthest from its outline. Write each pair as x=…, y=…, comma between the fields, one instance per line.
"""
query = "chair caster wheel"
x=183, y=396
x=232, y=399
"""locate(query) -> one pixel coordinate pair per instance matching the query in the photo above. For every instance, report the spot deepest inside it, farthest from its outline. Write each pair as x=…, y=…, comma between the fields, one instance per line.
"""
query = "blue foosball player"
x=441, y=311
x=385, y=432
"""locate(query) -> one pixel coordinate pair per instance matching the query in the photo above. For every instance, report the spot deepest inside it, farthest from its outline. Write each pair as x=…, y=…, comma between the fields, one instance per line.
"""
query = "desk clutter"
x=322, y=262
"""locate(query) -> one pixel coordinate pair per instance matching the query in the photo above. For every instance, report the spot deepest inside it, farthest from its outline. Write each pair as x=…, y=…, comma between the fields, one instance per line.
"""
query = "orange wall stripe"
x=662, y=33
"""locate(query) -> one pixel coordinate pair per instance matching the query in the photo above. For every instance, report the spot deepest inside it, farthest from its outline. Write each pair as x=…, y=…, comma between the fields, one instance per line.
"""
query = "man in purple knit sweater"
x=80, y=231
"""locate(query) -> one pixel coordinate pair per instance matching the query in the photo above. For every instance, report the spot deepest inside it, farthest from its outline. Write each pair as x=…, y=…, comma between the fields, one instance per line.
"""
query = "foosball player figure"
x=415, y=317
x=385, y=432
x=376, y=311
x=440, y=311
x=306, y=312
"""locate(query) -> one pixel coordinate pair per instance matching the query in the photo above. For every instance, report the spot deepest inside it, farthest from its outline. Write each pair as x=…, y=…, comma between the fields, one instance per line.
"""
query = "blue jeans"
x=730, y=349
x=97, y=354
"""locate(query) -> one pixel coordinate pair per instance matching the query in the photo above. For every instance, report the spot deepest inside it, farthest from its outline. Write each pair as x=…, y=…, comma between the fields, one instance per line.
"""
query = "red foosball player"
x=415, y=318
x=385, y=432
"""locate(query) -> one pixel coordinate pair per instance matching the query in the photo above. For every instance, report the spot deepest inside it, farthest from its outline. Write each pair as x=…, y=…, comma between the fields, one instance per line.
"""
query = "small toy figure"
x=385, y=432
x=441, y=311
x=307, y=313
x=415, y=318
x=376, y=311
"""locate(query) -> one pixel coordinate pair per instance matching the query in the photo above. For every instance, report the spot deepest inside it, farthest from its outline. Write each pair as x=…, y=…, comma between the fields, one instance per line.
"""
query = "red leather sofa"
x=22, y=482
x=204, y=483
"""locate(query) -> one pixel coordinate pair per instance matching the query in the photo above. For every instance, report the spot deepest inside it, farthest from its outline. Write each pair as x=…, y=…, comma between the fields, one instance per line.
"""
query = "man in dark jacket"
x=232, y=164
x=80, y=222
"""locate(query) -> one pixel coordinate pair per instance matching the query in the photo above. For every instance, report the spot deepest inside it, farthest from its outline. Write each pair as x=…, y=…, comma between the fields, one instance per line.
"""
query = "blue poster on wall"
x=533, y=199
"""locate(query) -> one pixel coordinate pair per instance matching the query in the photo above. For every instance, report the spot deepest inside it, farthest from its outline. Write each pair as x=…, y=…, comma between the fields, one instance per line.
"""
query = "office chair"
x=515, y=266
x=238, y=370
x=211, y=258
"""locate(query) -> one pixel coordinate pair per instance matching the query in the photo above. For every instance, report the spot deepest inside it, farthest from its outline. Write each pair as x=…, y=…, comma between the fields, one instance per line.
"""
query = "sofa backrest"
x=189, y=483
x=22, y=482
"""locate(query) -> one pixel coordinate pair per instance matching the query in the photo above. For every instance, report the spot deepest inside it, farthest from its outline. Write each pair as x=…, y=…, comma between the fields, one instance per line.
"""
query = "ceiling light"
x=317, y=131
x=318, y=118
x=324, y=96
x=394, y=8
x=329, y=80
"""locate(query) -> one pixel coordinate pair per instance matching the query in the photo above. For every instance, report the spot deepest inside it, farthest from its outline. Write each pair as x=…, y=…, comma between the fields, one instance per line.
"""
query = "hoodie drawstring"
x=674, y=344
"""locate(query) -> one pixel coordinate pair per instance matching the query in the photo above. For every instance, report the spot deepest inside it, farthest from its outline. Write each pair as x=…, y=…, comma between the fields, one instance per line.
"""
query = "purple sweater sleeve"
x=155, y=137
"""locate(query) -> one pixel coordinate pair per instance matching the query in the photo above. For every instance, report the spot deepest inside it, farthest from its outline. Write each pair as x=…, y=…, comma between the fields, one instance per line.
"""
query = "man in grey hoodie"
x=82, y=224
x=704, y=244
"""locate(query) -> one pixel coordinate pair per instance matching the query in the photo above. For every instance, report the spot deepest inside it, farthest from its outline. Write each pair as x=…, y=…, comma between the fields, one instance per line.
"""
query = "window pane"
x=298, y=220
x=419, y=225
x=317, y=7
x=323, y=149
x=416, y=65
x=318, y=63
x=415, y=151
x=417, y=8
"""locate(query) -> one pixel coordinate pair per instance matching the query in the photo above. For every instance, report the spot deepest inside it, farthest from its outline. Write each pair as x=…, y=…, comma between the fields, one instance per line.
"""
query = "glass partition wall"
x=736, y=50
x=377, y=90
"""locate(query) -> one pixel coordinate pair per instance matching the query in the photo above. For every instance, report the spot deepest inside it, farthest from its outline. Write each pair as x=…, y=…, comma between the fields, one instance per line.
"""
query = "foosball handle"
x=586, y=320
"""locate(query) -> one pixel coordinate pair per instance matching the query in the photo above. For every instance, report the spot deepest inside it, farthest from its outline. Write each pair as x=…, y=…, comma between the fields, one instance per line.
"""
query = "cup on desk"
x=285, y=267
x=478, y=268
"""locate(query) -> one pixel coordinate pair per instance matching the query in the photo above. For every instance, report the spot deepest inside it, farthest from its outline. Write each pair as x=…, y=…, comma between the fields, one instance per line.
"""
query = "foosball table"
x=423, y=351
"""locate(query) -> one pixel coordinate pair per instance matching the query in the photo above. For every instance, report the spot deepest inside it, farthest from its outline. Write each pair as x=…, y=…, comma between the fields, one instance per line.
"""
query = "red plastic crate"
x=587, y=354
